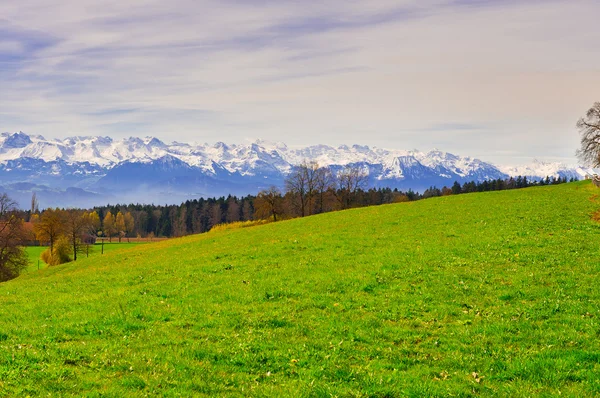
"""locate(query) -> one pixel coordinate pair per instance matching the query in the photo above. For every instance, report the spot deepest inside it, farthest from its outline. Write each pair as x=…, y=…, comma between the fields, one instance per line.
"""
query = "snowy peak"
x=16, y=140
x=148, y=170
x=541, y=169
x=263, y=158
x=154, y=142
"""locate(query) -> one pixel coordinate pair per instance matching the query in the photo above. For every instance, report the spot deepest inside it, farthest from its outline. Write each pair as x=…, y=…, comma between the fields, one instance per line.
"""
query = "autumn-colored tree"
x=108, y=225
x=13, y=258
x=129, y=223
x=49, y=227
x=76, y=224
x=94, y=224
x=59, y=253
x=120, y=225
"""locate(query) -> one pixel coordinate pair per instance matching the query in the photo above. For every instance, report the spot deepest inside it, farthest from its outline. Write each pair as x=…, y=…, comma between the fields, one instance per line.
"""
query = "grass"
x=34, y=252
x=491, y=294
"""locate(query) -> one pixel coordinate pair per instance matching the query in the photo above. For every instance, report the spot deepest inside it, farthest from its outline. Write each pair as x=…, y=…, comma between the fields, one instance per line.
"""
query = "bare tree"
x=302, y=184
x=13, y=258
x=247, y=211
x=215, y=216
x=325, y=182
x=35, y=204
x=233, y=210
x=296, y=184
x=7, y=205
x=349, y=182
x=179, y=222
x=589, y=128
x=268, y=203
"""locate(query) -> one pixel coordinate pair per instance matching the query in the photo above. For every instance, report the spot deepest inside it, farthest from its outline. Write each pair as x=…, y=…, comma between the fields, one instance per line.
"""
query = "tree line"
x=309, y=189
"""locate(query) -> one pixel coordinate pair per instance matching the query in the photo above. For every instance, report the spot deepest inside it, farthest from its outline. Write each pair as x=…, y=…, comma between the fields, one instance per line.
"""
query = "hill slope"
x=493, y=293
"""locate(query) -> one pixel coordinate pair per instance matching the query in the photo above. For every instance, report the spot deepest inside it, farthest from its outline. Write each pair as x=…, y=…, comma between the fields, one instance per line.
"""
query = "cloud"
x=453, y=127
x=303, y=72
x=19, y=44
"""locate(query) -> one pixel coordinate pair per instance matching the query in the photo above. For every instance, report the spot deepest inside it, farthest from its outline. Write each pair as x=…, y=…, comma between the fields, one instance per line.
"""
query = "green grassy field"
x=493, y=294
x=34, y=252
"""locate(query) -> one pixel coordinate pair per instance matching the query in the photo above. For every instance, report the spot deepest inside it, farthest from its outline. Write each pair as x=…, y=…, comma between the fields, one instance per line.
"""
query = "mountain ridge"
x=141, y=168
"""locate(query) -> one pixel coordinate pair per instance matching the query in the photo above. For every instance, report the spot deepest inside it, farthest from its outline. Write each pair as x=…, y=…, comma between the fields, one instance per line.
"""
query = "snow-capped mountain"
x=539, y=169
x=150, y=171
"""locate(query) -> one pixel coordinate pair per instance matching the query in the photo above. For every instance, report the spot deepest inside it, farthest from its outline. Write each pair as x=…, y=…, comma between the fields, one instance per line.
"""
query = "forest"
x=309, y=190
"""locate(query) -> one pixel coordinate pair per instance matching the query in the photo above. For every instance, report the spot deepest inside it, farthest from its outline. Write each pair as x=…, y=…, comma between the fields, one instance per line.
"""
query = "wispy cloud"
x=453, y=127
x=332, y=71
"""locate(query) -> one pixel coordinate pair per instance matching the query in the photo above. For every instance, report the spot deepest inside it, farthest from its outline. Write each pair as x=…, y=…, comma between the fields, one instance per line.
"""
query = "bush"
x=61, y=253
x=46, y=256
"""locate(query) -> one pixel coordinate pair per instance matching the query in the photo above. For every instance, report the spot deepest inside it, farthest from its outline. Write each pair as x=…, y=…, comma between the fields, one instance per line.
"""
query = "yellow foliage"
x=401, y=198
x=60, y=253
x=238, y=225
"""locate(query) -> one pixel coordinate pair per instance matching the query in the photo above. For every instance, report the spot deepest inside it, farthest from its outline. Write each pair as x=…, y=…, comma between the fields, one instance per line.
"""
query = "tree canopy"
x=13, y=258
x=589, y=128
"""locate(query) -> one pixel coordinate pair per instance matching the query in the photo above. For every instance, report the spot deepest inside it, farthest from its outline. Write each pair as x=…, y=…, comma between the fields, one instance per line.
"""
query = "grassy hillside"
x=480, y=294
x=34, y=252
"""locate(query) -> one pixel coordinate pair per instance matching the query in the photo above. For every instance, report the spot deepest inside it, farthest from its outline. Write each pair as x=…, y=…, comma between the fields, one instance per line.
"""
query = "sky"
x=502, y=80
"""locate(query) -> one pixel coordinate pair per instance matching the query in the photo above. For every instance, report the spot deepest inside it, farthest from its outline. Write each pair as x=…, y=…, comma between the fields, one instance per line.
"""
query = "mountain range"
x=84, y=171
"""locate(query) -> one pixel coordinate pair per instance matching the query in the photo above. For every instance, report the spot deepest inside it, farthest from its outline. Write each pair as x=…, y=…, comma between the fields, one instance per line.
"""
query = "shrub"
x=61, y=253
x=46, y=256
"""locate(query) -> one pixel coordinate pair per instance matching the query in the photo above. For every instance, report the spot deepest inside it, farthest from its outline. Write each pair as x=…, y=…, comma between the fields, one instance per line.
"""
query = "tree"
x=120, y=225
x=296, y=183
x=108, y=224
x=35, y=205
x=60, y=252
x=49, y=227
x=456, y=189
x=129, y=223
x=179, y=221
x=349, y=181
x=233, y=210
x=247, y=210
x=268, y=203
x=77, y=223
x=324, y=183
x=589, y=128
x=94, y=225
x=13, y=258
x=215, y=216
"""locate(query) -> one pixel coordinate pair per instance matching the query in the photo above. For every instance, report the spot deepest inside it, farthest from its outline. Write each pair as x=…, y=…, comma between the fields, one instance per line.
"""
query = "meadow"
x=34, y=252
x=488, y=294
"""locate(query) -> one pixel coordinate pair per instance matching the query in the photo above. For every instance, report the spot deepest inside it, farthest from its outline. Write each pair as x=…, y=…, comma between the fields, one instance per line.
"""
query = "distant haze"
x=502, y=80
